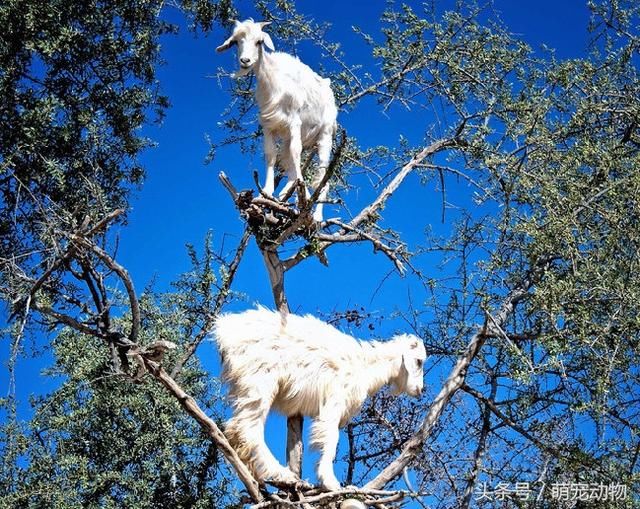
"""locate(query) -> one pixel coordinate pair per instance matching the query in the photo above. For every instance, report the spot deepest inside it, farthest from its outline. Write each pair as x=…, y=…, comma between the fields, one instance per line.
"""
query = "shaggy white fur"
x=296, y=106
x=305, y=366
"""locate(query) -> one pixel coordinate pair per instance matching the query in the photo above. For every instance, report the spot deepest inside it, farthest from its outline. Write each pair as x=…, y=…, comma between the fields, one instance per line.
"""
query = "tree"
x=532, y=313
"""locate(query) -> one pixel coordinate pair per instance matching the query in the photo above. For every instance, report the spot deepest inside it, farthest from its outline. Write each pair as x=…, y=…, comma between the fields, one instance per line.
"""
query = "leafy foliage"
x=99, y=442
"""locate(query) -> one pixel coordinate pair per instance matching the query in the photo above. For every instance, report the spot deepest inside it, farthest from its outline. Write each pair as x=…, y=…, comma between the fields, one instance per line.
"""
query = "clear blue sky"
x=182, y=198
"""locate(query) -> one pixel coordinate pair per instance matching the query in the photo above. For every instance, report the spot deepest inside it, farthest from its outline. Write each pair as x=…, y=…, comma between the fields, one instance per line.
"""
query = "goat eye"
x=419, y=362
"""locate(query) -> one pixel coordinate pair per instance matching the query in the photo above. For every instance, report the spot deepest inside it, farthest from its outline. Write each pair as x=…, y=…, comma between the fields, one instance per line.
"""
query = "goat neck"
x=381, y=364
x=267, y=76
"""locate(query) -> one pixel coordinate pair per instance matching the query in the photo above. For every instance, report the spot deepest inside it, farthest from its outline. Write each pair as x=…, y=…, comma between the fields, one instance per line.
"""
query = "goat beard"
x=243, y=71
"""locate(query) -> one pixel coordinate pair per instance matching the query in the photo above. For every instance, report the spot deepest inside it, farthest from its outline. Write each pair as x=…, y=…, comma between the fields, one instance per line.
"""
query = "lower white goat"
x=296, y=106
x=306, y=367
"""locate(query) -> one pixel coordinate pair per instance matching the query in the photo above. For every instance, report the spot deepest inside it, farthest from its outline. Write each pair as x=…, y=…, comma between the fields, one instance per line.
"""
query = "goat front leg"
x=324, y=437
x=270, y=156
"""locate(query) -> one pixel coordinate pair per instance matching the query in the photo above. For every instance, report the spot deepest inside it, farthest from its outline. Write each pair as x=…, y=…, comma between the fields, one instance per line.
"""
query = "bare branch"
x=481, y=447
x=359, y=235
x=67, y=320
x=276, y=277
x=72, y=250
x=454, y=382
x=371, y=210
x=555, y=451
x=124, y=276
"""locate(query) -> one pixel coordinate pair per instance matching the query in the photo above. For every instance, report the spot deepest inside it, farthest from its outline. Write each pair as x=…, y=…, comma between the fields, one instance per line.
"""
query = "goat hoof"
x=284, y=477
x=303, y=485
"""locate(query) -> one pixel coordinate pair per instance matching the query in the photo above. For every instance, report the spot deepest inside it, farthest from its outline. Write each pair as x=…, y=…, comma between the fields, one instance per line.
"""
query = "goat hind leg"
x=294, y=153
x=245, y=431
x=289, y=173
x=270, y=156
x=324, y=154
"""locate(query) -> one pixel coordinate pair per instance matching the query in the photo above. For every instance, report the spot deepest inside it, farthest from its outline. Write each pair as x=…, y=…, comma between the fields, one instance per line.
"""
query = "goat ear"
x=266, y=39
x=263, y=24
x=226, y=44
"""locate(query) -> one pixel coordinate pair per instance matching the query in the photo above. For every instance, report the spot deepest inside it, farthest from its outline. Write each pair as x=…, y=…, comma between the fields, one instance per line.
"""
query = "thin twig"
x=220, y=300
x=124, y=276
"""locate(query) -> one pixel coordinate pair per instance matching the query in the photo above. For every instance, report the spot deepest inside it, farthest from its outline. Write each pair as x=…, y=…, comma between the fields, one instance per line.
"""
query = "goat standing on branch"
x=296, y=106
x=305, y=367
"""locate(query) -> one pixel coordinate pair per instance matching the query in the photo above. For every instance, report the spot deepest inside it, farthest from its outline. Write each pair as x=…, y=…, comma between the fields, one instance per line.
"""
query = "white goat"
x=306, y=367
x=296, y=106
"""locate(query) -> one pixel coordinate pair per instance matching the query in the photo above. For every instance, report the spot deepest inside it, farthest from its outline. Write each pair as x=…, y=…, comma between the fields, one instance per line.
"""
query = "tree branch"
x=359, y=235
x=191, y=407
x=124, y=276
x=555, y=451
x=71, y=251
x=482, y=445
x=454, y=382
x=372, y=209
x=67, y=320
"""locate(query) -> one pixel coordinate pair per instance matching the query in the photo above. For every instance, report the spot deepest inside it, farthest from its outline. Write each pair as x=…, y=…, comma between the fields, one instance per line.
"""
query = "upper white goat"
x=308, y=367
x=296, y=106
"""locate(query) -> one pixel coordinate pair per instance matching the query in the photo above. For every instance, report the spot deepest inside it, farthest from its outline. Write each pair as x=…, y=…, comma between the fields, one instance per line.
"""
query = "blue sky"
x=182, y=198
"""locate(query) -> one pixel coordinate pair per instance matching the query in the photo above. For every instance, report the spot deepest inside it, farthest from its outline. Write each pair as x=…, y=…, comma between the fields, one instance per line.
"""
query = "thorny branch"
x=482, y=445
x=124, y=276
x=208, y=425
x=551, y=449
x=369, y=212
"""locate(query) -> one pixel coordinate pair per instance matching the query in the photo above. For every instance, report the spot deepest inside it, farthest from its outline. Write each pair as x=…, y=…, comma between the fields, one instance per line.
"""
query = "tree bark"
x=276, y=272
x=294, y=444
